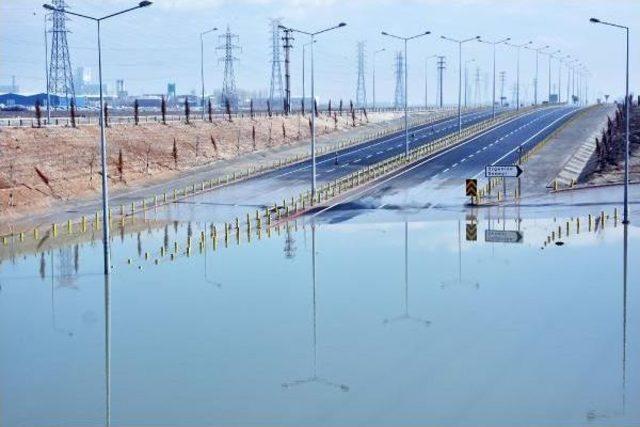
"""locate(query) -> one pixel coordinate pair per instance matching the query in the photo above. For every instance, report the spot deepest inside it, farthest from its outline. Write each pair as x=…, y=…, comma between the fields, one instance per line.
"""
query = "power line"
x=60, y=74
x=229, y=91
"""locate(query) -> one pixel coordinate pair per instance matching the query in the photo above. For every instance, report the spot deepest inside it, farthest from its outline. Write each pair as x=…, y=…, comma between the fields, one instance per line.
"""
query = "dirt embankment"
x=40, y=167
x=611, y=156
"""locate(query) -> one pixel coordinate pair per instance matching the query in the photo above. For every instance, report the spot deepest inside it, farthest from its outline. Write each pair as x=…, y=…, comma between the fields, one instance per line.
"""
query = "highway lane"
x=439, y=179
x=268, y=188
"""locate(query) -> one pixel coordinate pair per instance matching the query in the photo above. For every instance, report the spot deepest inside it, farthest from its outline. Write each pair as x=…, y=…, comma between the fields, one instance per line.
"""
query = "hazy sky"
x=153, y=46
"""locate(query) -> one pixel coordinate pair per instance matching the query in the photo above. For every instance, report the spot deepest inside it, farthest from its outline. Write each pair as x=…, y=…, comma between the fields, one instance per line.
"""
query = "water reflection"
x=405, y=314
x=315, y=378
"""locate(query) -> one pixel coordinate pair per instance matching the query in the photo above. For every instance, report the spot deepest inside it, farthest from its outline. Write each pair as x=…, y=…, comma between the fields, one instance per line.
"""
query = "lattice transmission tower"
x=60, y=73
x=229, y=90
x=276, y=92
x=398, y=101
x=361, y=91
x=442, y=65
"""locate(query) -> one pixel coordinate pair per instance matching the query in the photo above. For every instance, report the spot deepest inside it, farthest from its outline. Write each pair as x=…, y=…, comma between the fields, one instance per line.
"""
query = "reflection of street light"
x=315, y=378
x=460, y=43
x=103, y=139
x=206, y=279
x=202, y=64
x=313, y=100
x=625, y=219
x=406, y=315
x=406, y=83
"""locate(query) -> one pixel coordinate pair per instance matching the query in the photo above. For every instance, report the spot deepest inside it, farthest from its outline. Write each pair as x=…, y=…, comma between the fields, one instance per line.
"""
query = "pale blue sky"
x=151, y=47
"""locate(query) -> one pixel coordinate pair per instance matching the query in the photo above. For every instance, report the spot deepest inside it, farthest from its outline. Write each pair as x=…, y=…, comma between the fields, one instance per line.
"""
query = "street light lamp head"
x=594, y=20
x=427, y=32
x=145, y=3
x=48, y=6
x=342, y=24
x=384, y=33
x=477, y=37
x=442, y=37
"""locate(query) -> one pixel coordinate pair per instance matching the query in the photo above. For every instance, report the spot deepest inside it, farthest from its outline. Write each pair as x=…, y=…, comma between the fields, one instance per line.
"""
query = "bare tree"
x=148, y=153
x=106, y=114
x=215, y=146
x=210, y=110
x=187, y=110
x=251, y=113
x=120, y=165
x=136, y=112
x=38, y=113
x=72, y=112
x=253, y=137
x=284, y=132
x=227, y=106
x=163, y=110
x=174, y=153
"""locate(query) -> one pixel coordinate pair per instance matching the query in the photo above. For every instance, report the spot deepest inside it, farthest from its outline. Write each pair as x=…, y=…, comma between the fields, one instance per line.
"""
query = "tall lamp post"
x=626, y=102
x=537, y=50
x=103, y=139
x=460, y=43
x=426, y=80
x=406, y=83
x=518, y=47
x=551, y=55
x=494, y=44
x=202, y=64
x=313, y=97
x=374, y=74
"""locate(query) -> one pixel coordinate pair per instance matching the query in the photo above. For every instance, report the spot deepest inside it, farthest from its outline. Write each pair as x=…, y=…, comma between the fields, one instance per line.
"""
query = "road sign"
x=472, y=232
x=503, y=236
x=508, y=171
x=472, y=187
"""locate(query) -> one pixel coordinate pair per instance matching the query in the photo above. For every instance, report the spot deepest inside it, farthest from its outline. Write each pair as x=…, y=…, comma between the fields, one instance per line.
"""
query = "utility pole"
x=476, y=94
x=441, y=67
x=287, y=38
x=398, y=99
x=502, y=81
x=466, y=79
x=494, y=44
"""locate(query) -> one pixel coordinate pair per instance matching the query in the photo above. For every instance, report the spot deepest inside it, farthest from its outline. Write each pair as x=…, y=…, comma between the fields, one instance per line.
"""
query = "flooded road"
x=389, y=318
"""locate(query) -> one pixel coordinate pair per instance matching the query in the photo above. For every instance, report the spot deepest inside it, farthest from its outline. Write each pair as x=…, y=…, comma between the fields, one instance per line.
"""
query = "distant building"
x=10, y=88
x=82, y=78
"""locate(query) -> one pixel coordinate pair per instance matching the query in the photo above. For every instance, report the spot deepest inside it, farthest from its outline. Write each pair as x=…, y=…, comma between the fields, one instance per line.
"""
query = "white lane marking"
x=329, y=170
x=369, y=156
x=463, y=160
x=417, y=165
x=454, y=165
x=356, y=161
x=529, y=139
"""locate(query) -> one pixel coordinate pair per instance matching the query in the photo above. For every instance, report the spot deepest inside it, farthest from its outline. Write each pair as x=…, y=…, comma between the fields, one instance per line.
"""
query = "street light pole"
x=313, y=99
x=466, y=79
x=202, y=64
x=535, y=88
x=518, y=47
x=406, y=83
x=625, y=219
x=103, y=139
x=493, y=106
x=460, y=43
x=374, y=74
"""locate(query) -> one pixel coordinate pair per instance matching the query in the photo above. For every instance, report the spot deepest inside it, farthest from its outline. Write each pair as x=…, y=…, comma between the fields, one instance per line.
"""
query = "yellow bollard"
x=69, y=227
x=590, y=221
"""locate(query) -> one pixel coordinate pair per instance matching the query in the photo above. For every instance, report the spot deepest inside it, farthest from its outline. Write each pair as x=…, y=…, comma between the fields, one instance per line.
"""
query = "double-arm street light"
x=313, y=98
x=518, y=47
x=202, y=34
x=460, y=43
x=103, y=139
x=494, y=44
x=406, y=83
x=374, y=74
x=626, y=102
x=537, y=50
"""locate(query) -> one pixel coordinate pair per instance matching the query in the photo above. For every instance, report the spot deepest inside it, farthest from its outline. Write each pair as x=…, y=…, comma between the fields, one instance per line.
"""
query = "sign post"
x=472, y=189
x=504, y=171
